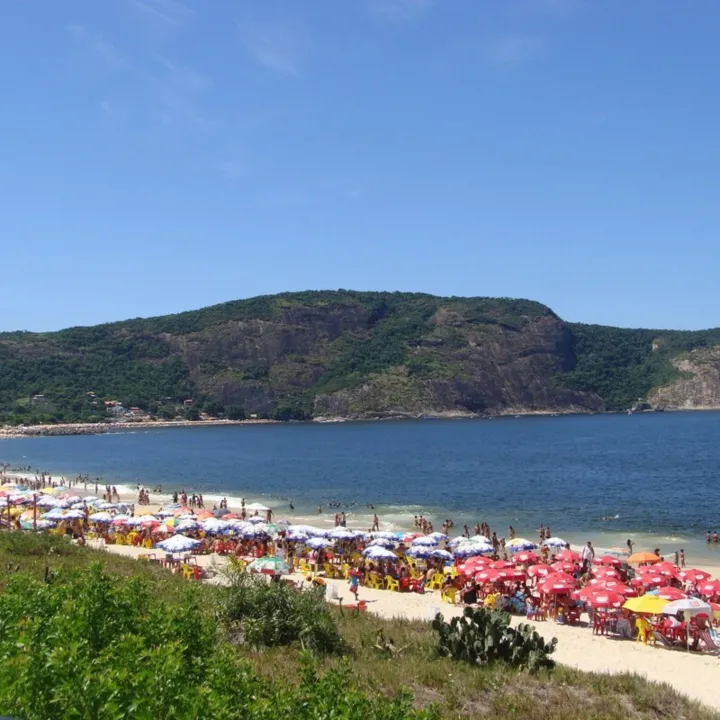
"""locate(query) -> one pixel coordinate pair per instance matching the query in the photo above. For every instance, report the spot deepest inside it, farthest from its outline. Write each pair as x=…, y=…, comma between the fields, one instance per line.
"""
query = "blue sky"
x=163, y=155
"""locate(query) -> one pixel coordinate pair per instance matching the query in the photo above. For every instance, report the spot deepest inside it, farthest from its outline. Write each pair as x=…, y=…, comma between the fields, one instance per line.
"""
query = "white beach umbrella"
x=72, y=499
x=135, y=521
x=255, y=519
x=164, y=512
x=186, y=526
x=101, y=517
x=56, y=514
x=441, y=554
x=555, y=542
x=178, y=543
x=383, y=542
x=341, y=533
x=384, y=534
x=438, y=536
x=471, y=549
x=50, y=502
x=214, y=526
x=74, y=515
x=518, y=544
x=379, y=553
x=317, y=543
x=44, y=524
x=424, y=540
x=420, y=551
x=691, y=606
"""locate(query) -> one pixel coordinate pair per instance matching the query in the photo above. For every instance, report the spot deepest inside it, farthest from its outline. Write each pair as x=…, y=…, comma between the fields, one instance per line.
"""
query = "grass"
x=460, y=691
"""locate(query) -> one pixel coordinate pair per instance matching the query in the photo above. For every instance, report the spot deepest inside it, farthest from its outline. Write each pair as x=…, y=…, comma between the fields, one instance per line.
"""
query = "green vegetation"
x=483, y=637
x=292, y=356
x=130, y=639
x=623, y=366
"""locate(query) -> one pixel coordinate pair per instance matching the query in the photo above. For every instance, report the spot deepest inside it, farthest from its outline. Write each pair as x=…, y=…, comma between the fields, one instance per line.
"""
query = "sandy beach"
x=692, y=674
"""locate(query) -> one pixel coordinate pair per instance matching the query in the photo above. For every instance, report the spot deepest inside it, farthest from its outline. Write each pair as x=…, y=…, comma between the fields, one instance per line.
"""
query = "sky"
x=164, y=155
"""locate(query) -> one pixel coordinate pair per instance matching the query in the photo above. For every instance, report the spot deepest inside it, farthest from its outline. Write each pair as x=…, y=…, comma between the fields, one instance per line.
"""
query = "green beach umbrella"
x=264, y=564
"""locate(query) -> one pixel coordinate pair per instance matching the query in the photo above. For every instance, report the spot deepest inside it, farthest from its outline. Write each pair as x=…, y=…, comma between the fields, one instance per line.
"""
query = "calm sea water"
x=653, y=478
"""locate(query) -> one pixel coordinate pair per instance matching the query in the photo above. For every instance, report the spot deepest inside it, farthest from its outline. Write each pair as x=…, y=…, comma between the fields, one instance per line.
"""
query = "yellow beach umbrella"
x=649, y=604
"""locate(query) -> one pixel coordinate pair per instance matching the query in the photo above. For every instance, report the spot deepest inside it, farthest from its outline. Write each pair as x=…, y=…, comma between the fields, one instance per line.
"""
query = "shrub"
x=263, y=614
x=482, y=637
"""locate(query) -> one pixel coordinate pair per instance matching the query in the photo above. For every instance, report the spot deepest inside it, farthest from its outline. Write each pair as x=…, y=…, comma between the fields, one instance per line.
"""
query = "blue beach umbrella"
x=424, y=540
x=178, y=543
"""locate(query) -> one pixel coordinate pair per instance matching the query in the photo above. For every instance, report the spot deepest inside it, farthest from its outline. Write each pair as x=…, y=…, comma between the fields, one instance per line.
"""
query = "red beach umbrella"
x=514, y=574
x=609, y=561
x=489, y=575
x=526, y=558
x=501, y=565
x=540, y=570
x=693, y=575
x=665, y=568
x=606, y=572
x=709, y=588
x=671, y=593
x=564, y=567
x=473, y=565
x=647, y=580
x=605, y=599
x=555, y=587
x=231, y=516
x=568, y=556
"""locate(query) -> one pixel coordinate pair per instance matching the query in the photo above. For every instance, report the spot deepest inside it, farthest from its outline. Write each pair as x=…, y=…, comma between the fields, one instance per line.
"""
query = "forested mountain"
x=341, y=354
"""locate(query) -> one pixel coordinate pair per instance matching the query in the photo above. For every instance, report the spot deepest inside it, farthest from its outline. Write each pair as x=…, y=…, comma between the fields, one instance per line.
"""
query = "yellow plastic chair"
x=391, y=583
x=449, y=595
x=436, y=582
x=373, y=581
x=490, y=601
x=345, y=570
x=644, y=630
x=188, y=572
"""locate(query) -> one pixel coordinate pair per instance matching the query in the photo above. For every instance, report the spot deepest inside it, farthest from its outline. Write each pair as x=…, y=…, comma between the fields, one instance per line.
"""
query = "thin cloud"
x=168, y=11
x=97, y=43
x=105, y=106
x=514, y=49
x=185, y=78
x=278, y=49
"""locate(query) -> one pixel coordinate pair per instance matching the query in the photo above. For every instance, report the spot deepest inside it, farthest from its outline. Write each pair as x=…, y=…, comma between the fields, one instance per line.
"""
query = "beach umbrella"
x=500, y=564
x=214, y=526
x=565, y=567
x=255, y=519
x=605, y=572
x=438, y=536
x=420, y=551
x=164, y=512
x=178, y=544
x=568, y=556
x=149, y=521
x=647, y=580
x=554, y=542
x=317, y=543
x=424, y=540
x=72, y=498
x=43, y=524
x=90, y=498
x=663, y=568
x=54, y=514
x=671, y=593
x=609, y=561
x=519, y=544
x=308, y=530
x=525, y=558
x=378, y=553
x=557, y=584
x=74, y=515
x=182, y=510
x=540, y=570
x=470, y=549
x=383, y=542
x=693, y=576
x=165, y=529
x=383, y=534
x=514, y=574
x=488, y=575
x=438, y=554
x=710, y=588
x=48, y=501
x=646, y=604
x=643, y=557
x=474, y=564
x=256, y=507
x=691, y=606
x=135, y=521
x=270, y=563
x=341, y=533
x=231, y=516
x=101, y=517
x=604, y=599
x=204, y=514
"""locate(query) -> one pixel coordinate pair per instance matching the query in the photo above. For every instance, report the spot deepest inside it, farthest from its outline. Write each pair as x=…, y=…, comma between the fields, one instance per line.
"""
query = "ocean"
x=652, y=478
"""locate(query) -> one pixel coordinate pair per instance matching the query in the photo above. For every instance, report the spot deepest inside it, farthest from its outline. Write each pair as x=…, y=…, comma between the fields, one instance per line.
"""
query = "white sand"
x=692, y=674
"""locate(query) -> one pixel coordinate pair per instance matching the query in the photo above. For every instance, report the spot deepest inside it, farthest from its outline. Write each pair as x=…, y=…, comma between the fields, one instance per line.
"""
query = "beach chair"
x=437, y=582
x=345, y=570
x=187, y=572
x=449, y=595
x=710, y=640
x=373, y=581
x=645, y=630
x=391, y=583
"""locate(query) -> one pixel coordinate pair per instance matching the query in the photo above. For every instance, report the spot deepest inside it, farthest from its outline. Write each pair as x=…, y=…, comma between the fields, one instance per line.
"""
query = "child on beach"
x=354, y=582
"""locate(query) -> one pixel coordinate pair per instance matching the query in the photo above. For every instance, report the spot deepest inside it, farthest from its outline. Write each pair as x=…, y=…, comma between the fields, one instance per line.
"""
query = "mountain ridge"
x=344, y=353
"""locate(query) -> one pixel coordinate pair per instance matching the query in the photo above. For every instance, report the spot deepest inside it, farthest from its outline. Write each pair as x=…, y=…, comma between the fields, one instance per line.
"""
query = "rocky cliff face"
x=699, y=386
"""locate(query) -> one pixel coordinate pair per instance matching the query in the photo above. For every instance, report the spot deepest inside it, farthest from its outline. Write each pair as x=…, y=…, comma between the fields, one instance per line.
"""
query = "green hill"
x=340, y=354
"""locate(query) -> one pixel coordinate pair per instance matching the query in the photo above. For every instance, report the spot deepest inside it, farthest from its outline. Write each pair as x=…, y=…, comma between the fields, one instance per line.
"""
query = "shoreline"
x=79, y=428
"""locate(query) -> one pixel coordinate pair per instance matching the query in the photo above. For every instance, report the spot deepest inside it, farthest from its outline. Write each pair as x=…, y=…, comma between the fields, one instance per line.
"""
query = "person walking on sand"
x=588, y=555
x=376, y=523
x=682, y=558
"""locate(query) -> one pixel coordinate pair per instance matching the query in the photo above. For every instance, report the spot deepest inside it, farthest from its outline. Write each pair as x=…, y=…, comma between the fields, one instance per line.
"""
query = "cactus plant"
x=482, y=637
